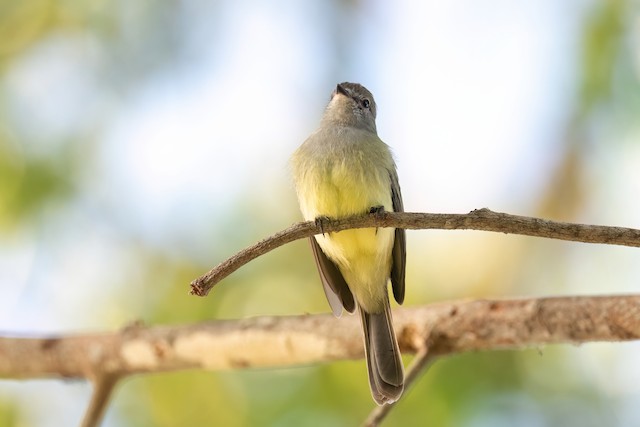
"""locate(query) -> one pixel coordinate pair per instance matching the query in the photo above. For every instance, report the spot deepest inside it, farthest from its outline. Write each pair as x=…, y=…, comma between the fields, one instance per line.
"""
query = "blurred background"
x=143, y=142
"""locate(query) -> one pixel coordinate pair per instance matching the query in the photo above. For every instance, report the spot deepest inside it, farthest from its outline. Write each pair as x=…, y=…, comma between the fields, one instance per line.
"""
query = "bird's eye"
x=365, y=103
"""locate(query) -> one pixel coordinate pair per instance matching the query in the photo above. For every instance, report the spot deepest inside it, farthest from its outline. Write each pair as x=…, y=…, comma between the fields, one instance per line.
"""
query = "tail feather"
x=386, y=373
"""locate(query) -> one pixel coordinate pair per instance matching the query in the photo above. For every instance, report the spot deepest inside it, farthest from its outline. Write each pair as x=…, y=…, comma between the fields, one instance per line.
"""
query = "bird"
x=344, y=169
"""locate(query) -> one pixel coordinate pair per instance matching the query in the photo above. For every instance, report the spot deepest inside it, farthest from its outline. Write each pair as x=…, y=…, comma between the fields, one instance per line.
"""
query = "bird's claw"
x=321, y=221
x=378, y=211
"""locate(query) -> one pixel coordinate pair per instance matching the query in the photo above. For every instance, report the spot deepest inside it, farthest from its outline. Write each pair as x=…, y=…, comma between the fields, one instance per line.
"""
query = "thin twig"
x=303, y=340
x=479, y=219
x=103, y=389
x=418, y=365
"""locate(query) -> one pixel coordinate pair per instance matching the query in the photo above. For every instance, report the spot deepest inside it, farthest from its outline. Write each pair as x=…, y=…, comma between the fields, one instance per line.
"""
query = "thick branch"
x=480, y=219
x=302, y=340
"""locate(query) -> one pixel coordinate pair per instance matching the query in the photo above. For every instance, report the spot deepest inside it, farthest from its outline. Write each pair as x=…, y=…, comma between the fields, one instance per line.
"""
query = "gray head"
x=351, y=105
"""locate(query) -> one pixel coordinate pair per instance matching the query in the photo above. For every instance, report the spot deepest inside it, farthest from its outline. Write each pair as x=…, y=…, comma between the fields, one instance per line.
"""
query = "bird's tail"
x=386, y=374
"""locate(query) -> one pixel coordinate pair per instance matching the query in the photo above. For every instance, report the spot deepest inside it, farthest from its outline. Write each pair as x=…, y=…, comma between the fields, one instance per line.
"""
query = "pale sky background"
x=472, y=99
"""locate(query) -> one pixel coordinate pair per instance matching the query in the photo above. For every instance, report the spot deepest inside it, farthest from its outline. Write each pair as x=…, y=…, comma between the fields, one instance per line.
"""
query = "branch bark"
x=301, y=340
x=102, y=391
x=479, y=219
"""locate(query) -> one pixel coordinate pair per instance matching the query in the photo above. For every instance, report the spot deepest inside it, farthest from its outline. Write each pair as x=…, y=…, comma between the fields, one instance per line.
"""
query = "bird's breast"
x=344, y=186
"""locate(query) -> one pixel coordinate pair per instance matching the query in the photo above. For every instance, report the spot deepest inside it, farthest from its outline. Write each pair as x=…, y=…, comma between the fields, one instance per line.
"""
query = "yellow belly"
x=364, y=258
x=363, y=255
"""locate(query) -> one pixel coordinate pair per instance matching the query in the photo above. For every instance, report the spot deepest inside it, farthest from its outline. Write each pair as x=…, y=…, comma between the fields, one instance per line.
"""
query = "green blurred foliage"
x=9, y=413
x=602, y=47
x=28, y=183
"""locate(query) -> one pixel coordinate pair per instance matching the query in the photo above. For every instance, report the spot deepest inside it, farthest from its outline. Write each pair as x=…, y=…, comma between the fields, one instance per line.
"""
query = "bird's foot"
x=378, y=211
x=321, y=222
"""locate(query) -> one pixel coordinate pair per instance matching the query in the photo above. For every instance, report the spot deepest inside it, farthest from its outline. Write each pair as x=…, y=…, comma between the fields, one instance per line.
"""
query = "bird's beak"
x=341, y=89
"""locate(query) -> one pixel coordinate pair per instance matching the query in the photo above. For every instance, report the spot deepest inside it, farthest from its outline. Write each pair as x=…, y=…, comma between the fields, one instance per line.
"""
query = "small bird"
x=345, y=169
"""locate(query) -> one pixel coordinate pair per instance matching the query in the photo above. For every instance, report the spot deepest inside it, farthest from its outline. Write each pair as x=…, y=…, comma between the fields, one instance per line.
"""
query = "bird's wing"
x=334, y=285
x=399, y=246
